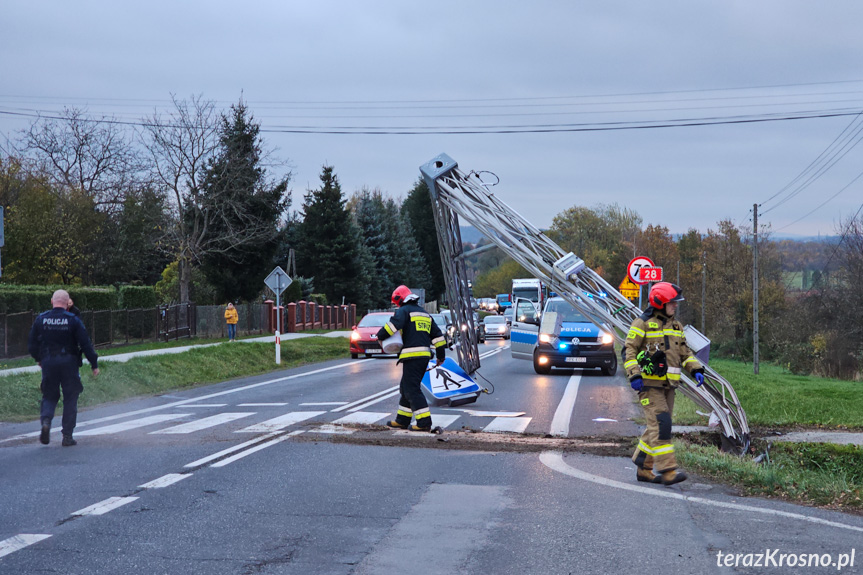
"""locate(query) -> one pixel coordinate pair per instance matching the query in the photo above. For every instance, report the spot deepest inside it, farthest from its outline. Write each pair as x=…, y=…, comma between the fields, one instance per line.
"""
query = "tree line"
x=194, y=202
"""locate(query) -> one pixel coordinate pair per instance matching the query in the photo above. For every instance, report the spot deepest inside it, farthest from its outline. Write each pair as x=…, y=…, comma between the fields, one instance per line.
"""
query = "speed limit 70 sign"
x=633, y=270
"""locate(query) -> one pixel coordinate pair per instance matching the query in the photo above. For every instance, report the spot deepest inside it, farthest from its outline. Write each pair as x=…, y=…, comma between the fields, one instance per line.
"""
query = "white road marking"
x=323, y=403
x=508, y=425
x=224, y=452
x=207, y=405
x=104, y=507
x=554, y=460
x=281, y=422
x=361, y=417
x=374, y=401
x=194, y=399
x=365, y=399
x=18, y=542
x=256, y=448
x=333, y=429
x=204, y=423
x=165, y=480
x=563, y=413
x=261, y=404
x=133, y=424
x=476, y=413
x=604, y=419
x=443, y=420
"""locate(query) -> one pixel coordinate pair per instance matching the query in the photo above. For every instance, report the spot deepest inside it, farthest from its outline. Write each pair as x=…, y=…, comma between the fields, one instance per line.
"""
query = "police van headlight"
x=607, y=338
x=545, y=338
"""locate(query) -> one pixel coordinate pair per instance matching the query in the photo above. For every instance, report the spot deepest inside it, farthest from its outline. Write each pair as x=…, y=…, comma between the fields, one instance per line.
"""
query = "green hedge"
x=20, y=298
x=138, y=297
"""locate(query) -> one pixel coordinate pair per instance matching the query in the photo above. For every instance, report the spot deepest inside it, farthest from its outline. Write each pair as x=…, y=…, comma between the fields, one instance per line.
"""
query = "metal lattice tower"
x=456, y=194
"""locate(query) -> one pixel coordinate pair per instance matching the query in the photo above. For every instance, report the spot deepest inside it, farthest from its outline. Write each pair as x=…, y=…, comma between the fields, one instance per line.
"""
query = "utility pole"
x=703, y=288
x=755, y=288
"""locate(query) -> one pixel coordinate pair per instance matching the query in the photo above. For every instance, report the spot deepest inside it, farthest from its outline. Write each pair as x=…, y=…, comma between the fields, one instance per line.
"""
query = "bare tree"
x=79, y=153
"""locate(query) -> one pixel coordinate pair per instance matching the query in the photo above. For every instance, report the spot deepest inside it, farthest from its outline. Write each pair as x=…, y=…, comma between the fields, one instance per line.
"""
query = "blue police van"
x=560, y=336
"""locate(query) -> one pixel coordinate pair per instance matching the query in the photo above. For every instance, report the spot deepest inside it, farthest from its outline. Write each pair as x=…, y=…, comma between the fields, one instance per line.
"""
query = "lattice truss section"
x=456, y=194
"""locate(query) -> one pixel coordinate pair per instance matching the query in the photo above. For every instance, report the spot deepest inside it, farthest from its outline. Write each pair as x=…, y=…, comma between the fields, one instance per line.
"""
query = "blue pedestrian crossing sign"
x=449, y=383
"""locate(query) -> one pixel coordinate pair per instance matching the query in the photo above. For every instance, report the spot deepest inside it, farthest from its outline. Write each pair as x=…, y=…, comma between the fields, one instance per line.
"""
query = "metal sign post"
x=278, y=281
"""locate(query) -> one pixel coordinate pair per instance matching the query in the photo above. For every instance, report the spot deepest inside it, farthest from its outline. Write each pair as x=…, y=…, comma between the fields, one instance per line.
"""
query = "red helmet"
x=663, y=292
x=401, y=294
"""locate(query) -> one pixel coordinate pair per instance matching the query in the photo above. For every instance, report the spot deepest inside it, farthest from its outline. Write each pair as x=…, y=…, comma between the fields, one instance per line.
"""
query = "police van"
x=560, y=336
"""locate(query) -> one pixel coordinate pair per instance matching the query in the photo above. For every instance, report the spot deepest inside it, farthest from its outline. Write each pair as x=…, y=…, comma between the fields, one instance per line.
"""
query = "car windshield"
x=374, y=320
x=495, y=319
x=566, y=311
x=439, y=319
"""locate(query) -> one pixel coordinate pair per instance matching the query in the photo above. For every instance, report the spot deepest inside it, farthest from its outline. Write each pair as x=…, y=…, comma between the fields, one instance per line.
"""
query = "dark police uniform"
x=419, y=334
x=56, y=340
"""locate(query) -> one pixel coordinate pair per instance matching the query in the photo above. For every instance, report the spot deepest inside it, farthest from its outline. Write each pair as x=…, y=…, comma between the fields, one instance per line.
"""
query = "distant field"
x=793, y=280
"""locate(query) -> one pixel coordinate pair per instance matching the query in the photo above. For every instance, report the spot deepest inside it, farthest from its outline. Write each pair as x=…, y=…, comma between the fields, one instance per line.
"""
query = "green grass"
x=20, y=395
x=777, y=398
x=825, y=475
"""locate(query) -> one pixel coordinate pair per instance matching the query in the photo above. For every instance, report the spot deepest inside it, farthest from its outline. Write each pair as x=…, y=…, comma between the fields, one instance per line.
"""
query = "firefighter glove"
x=699, y=377
x=636, y=383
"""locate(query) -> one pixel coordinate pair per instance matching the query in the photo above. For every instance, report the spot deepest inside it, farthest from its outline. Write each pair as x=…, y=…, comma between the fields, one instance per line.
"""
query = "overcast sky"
x=491, y=66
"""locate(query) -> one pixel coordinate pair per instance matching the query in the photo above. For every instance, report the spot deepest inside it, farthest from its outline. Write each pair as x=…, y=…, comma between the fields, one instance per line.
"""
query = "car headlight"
x=545, y=338
x=607, y=338
x=355, y=336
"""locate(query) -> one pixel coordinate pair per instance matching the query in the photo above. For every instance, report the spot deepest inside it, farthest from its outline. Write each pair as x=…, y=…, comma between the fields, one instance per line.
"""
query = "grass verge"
x=823, y=475
x=20, y=394
x=777, y=398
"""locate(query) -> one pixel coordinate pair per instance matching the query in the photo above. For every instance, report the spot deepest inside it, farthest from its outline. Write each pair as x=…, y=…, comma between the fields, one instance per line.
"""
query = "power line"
x=823, y=203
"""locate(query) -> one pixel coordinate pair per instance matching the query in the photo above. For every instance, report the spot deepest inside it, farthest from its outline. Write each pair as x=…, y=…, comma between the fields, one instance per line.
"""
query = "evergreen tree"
x=247, y=235
x=418, y=210
x=330, y=247
x=371, y=219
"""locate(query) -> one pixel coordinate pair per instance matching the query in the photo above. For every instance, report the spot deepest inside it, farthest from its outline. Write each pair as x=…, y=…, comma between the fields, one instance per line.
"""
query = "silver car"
x=496, y=326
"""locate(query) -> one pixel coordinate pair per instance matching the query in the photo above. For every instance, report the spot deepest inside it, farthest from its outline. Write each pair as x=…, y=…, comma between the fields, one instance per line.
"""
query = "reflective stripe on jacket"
x=654, y=332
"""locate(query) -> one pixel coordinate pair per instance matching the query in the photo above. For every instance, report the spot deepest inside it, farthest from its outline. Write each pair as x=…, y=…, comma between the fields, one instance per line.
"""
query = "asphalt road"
x=244, y=477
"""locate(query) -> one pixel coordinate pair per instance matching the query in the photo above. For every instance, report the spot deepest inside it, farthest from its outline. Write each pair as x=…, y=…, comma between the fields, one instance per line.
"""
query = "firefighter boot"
x=671, y=477
x=647, y=476
x=396, y=425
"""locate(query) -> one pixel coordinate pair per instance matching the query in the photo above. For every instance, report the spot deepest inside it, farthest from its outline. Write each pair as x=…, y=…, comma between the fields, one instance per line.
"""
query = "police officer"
x=56, y=339
x=656, y=351
x=419, y=334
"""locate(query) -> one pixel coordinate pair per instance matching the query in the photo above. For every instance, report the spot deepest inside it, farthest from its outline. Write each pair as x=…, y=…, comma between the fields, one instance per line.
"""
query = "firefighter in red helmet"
x=656, y=352
x=419, y=333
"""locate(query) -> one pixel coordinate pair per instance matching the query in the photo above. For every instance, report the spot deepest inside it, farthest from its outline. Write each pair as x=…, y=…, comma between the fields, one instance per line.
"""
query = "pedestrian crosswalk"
x=190, y=423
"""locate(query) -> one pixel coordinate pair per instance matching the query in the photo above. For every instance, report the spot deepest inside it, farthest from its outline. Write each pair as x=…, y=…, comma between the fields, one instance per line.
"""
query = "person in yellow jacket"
x=656, y=352
x=231, y=319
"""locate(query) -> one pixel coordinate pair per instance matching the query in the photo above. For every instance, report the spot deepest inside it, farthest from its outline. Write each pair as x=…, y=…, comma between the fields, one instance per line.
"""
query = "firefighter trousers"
x=412, y=402
x=655, y=450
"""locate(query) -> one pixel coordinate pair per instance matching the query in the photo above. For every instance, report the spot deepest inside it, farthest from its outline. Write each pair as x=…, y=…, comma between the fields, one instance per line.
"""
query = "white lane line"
x=104, y=507
x=133, y=424
x=18, y=542
x=365, y=399
x=554, y=460
x=374, y=401
x=508, y=425
x=563, y=413
x=261, y=404
x=192, y=400
x=165, y=480
x=281, y=422
x=323, y=403
x=207, y=405
x=229, y=450
x=204, y=423
x=361, y=417
x=256, y=448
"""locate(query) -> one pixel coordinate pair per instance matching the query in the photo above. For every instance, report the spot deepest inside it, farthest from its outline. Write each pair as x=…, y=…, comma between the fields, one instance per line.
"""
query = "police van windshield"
x=566, y=312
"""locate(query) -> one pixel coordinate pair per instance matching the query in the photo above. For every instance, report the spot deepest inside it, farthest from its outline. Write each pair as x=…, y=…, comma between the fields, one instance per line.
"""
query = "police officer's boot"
x=647, y=476
x=45, y=434
x=68, y=441
x=672, y=477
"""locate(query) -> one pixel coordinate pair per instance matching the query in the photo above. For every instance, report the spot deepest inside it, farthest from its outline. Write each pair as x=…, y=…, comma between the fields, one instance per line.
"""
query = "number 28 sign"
x=633, y=270
x=653, y=274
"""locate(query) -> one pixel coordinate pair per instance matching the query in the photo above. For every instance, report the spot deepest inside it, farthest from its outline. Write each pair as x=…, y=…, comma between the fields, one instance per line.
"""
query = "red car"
x=364, y=335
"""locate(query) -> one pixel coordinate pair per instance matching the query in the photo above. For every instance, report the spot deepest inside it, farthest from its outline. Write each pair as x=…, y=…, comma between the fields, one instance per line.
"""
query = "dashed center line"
x=19, y=542
x=104, y=507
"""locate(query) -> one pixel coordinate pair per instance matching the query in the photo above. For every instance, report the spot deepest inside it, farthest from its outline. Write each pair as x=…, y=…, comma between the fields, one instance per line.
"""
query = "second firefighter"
x=419, y=334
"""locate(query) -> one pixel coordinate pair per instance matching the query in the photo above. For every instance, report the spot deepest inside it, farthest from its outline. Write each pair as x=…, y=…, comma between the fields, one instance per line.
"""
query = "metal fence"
x=127, y=326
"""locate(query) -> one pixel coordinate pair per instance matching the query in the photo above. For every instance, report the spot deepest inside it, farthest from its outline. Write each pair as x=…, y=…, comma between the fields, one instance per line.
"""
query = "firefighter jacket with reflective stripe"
x=652, y=332
x=419, y=333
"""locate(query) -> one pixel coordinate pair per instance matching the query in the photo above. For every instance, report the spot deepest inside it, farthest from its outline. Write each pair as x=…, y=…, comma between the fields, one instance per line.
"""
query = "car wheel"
x=354, y=355
x=610, y=369
x=540, y=369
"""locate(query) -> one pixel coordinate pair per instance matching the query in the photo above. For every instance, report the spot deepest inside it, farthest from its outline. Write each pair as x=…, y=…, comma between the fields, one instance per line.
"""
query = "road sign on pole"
x=634, y=266
x=628, y=289
x=650, y=275
x=278, y=281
